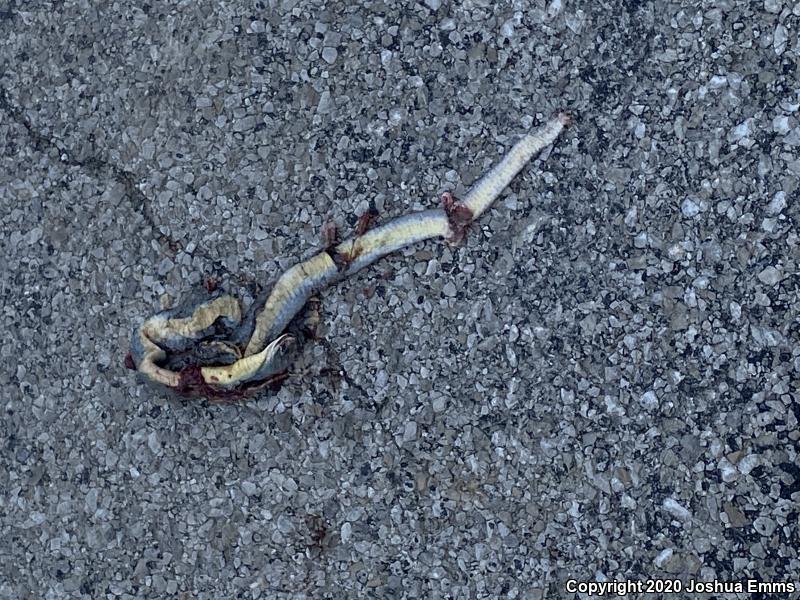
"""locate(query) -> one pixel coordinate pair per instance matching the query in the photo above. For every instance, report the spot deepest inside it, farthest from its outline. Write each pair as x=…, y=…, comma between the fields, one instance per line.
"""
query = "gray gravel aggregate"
x=599, y=384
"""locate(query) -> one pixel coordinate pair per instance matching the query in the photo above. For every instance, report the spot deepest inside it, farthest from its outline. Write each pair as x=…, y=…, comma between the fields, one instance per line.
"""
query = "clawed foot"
x=312, y=319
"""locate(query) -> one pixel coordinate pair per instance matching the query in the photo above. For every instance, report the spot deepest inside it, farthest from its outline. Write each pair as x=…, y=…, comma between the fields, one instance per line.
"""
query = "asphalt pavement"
x=600, y=385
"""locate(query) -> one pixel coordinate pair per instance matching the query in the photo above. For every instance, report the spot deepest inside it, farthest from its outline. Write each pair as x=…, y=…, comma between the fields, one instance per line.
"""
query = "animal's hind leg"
x=311, y=318
x=366, y=221
x=328, y=235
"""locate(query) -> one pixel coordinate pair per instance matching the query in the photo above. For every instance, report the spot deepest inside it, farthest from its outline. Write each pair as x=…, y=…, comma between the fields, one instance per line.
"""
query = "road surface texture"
x=598, y=385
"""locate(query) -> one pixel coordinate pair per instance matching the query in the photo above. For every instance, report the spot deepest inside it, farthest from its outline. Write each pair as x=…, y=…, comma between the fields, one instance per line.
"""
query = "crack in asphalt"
x=98, y=168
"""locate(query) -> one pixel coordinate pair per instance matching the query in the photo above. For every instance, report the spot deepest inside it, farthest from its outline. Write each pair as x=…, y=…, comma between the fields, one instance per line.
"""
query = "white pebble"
x=717, y=81
x=649, y=400
x=676, y=509
x=779, y=39
x=663, y=557
x=777, y=204
x=742, y=130
x=410, y=432
x=736, y=310
x=690, y=207
x=780, y=124
x=508, y=29
x=748, y=463
x=329, y=55
x=793, y=137
x=727, y=470
x=346, y=532
x=554, y=8
x=770, y=275
x=764, y=526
